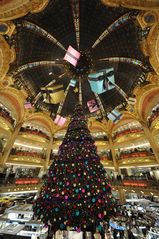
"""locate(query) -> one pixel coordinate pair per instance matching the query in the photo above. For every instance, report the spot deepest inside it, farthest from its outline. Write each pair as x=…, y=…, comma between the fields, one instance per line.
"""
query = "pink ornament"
x=83, y=190
x=99, y=215
x=66, y=197
x=79, y=174
x=99, y=200
x=67, y=183
x=98, y=179
x=57, y=195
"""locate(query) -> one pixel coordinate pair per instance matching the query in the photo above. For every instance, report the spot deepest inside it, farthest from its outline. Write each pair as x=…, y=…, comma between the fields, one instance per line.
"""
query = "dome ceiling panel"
x=94, y=18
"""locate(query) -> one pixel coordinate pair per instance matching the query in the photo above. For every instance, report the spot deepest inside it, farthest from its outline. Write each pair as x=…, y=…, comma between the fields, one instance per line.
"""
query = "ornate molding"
x=12, y=9
x=7, y=28
x=7, y=55
x=153, y=47
x=13, y=100
x=153, y=78
x=147, y=97
x=134, y=4
x=148, y=18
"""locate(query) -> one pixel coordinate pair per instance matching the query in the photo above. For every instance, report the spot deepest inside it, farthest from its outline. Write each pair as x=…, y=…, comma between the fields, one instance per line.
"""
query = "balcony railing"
x=34, y=132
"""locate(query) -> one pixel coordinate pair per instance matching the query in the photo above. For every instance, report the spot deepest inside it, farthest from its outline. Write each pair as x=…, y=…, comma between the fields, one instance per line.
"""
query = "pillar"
x=122, y=199
x=10, y=144
x=48, y=153
x=113, y=155
x=151, y=140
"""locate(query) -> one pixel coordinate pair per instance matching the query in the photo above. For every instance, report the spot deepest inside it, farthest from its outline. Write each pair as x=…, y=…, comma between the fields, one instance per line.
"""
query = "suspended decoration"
x=73, y=83
x=115, y=25
x=72, y=56
x=75, y=90
x=114, y=116
x=102, y=80
x=49, y=84
x=59, y=120
x=53, y=94
x=92, y=106
x=33, y=27
x=27, y=105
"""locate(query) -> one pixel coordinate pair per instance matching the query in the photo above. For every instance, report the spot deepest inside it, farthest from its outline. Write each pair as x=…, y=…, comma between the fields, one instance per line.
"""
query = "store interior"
x=40, y=86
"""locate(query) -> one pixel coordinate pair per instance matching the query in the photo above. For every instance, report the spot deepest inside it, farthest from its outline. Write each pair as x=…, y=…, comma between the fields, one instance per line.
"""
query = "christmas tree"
x=76, y=192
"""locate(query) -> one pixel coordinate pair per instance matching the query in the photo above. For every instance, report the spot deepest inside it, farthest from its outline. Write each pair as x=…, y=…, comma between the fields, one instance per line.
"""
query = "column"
x=49, y=149
x=113, y=155
x=151, y=140
x=10, y=144
x=122, y=199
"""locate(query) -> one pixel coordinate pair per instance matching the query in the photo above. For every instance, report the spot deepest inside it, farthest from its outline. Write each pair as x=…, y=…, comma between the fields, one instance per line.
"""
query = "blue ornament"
x=76, y=190
x=77, y=213
x=93, y=199
x=56, y=209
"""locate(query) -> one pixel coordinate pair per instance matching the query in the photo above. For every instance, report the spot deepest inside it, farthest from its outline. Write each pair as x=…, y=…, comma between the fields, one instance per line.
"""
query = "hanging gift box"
x=114, y=116
x=53, y=94
x=27, y=105
x=72, y=56
x=92, y=105
x=73, y=83
x=102, y=81
x=59, y=120
x=131, y=101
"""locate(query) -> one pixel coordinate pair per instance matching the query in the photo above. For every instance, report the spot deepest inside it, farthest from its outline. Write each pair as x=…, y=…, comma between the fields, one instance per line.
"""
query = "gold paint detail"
x=134, y=4
x=10, y=10
x=7, y=56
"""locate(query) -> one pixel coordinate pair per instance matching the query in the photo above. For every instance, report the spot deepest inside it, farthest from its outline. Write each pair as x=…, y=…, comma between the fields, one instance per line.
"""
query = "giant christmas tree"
x=76, y=192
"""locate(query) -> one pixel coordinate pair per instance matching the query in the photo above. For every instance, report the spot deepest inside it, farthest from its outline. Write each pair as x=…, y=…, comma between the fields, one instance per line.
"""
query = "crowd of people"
x=127, y=131
x=135, y=152
x=32, y=130
x=7, y=115
x=154, y=114
x=28, y=152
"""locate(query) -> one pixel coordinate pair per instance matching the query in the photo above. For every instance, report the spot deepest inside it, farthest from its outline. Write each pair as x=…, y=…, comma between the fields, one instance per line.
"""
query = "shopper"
x=130, y=234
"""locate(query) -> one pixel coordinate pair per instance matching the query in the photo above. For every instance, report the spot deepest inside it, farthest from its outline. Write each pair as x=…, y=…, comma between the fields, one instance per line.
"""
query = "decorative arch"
x=41, y=119
x=7, y=55
x=147, y=98
x=127, y=117
x=153, y=47
x=14, y=101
